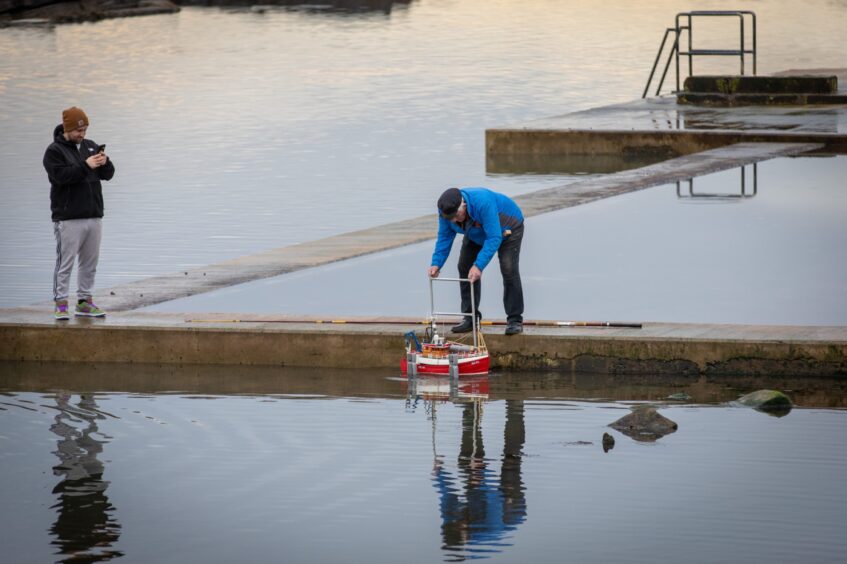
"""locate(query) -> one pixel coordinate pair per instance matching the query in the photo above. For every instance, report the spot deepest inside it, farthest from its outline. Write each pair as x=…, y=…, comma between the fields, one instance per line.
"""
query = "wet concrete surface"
x=659, y=127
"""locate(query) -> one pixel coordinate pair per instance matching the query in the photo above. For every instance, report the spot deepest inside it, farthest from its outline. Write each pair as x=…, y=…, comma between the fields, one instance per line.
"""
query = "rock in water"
x=608, y=442
x=767, y=400
x=644, y=424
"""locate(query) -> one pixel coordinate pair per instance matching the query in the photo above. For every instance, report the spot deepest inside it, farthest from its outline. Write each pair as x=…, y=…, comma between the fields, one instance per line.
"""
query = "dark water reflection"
x=224, y=464
x=310, y=6
x=85, y=526
x=479, y=507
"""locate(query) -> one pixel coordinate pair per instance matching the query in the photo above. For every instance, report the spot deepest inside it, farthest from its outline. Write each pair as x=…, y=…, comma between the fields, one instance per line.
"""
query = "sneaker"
x=62, y=311
x=88, y=309
x=466, y=326
x=514, y=327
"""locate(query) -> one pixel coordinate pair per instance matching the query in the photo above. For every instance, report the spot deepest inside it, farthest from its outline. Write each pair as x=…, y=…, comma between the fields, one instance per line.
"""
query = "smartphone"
x=101, y=148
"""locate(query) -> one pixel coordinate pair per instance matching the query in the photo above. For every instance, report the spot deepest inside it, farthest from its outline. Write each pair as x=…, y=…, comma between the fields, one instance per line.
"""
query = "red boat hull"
x=471, y=366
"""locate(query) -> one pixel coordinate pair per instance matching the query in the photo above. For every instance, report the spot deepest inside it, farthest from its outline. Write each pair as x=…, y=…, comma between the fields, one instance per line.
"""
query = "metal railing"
x=433, y=313
x=691, y=52
x=744, y=194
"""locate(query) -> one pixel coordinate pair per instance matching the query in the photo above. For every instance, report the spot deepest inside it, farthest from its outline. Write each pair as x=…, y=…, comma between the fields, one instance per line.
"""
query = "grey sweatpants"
x=76, y=238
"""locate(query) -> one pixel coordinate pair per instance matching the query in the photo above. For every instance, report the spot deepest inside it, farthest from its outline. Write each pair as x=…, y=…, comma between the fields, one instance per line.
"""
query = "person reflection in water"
x=477, y=509
x=85, y=529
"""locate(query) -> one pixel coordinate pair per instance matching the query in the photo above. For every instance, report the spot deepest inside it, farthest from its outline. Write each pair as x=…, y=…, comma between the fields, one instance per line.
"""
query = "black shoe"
x=514, y=327
x=465, y=326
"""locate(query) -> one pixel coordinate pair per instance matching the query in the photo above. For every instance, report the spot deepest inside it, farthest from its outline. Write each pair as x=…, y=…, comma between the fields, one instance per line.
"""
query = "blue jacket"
x=489, y=215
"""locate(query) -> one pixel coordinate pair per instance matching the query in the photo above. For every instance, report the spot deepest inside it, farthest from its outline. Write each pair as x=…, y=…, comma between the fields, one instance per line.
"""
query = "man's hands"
x=95, y=161
x=474, y=273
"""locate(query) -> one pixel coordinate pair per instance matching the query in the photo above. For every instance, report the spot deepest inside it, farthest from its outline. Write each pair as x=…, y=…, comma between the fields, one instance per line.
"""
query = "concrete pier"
x=656, y=349
x=666, y=143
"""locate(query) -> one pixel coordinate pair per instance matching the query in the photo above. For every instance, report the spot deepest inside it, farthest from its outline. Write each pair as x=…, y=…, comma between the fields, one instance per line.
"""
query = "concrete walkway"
x=655, y=349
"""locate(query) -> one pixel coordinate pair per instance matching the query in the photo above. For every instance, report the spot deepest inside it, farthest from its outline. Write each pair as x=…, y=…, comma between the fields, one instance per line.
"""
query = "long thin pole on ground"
x=423, y=322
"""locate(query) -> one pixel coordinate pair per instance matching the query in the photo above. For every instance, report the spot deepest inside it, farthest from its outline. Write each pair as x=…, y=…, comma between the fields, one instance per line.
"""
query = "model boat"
x=434, y=354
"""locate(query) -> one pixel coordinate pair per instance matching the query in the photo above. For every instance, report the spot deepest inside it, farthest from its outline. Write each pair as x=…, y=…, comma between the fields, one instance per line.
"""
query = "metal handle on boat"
x=433, y=313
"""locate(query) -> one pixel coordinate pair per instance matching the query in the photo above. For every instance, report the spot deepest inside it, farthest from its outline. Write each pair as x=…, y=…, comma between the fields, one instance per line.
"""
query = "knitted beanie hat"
x=73, y=118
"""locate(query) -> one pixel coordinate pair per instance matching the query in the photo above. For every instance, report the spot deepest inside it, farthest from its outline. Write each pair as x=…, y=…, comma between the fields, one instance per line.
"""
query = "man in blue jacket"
x=491, y=223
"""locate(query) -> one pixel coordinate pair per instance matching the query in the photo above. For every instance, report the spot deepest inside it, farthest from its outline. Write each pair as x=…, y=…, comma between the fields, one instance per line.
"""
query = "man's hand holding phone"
x=98, y=159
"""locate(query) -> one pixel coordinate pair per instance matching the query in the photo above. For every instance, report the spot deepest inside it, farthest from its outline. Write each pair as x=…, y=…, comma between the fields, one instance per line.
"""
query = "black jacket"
x=75, y=189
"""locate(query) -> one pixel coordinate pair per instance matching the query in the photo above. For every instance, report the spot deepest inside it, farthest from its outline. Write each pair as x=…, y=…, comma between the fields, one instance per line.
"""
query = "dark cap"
x=449, y=203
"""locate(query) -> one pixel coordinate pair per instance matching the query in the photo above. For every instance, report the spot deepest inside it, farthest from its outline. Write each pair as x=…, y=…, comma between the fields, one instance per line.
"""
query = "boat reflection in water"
x=480, y=507
x=85, y=528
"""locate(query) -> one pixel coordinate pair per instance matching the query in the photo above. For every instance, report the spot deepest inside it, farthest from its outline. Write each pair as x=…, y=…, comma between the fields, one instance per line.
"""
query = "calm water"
x=773, y=257
x=217, y=464
x=235, y=132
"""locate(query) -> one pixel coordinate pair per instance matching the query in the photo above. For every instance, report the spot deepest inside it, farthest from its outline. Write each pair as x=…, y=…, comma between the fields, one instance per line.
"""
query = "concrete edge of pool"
x=27, y=334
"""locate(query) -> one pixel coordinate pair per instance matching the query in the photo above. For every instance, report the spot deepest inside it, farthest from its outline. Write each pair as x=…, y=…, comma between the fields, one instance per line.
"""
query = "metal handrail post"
x=753, y=18
x=690, y=45
x=741, y=50
x=676, y=25
x=656, y=62
x=674, y=49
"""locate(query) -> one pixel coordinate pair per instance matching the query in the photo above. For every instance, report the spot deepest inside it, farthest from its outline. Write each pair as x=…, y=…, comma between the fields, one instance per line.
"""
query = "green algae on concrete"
x=737, y=84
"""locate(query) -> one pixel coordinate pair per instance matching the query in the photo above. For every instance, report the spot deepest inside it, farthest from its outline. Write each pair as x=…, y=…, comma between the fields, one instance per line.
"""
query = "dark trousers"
x=509, y=254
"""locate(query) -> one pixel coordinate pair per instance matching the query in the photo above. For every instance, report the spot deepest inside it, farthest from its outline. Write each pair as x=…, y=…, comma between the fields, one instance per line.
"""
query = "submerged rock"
x=608, y=442
x=772, y=402
x=644, y=424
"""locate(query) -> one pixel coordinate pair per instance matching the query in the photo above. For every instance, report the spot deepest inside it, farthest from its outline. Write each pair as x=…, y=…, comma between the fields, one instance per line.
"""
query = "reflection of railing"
x=691, y=52
x=722, y=196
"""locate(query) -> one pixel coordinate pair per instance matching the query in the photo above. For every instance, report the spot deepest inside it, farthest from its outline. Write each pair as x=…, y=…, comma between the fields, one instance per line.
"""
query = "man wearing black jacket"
x=75, y=166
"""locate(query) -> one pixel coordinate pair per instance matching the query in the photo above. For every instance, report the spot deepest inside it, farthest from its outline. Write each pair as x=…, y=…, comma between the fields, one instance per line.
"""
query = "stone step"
x=735, y=84
x=780, y=99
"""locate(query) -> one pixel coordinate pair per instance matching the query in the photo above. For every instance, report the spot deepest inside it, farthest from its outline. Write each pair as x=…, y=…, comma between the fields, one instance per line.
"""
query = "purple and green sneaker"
x=62, y=311
x=88, y=309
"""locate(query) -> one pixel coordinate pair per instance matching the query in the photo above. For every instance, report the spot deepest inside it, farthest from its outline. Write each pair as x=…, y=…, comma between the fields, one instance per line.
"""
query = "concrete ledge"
x=660, y=128
x=633, y=144
x=657, y=349
x=783, y=84
x=735, y=100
